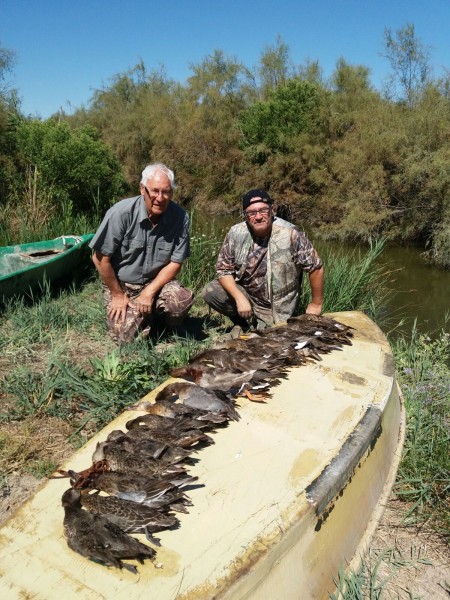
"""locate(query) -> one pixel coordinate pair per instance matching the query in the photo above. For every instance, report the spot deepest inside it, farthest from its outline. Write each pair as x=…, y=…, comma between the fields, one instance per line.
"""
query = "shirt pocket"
x=163, y=250
x=133, y=243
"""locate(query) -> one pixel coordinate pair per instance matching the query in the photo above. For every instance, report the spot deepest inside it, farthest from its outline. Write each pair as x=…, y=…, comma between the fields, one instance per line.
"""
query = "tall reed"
x=353, y=281
x=423, y=371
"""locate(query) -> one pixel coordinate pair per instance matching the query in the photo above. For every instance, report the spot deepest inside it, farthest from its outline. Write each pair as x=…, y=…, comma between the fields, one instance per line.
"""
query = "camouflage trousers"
x=217, y=298
x=172, y=303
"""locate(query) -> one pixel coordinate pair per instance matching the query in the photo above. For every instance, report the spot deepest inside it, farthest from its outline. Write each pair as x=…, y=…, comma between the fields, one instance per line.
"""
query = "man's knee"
x=209, y=292
x=175, y=300
x=127, y=330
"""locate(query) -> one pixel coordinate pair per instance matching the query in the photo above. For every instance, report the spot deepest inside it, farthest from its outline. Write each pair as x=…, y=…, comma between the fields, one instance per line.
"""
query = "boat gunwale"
x=80, y=242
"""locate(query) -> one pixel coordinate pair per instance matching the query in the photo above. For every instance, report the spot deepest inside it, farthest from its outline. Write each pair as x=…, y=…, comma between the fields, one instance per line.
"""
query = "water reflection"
x=422, y=291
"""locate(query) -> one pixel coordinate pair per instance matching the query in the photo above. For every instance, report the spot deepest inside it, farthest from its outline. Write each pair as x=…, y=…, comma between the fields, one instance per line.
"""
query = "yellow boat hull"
x=291, y=493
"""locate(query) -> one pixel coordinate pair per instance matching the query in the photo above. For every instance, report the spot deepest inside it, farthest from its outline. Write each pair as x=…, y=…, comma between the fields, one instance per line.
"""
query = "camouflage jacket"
x=289, y=253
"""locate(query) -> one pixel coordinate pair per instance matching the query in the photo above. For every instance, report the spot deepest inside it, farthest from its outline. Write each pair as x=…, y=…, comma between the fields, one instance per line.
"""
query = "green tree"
x=274, y=68
x=7, y=61
x=8, y=117
x=409, y=60
x=290, y=110
x=64, y=169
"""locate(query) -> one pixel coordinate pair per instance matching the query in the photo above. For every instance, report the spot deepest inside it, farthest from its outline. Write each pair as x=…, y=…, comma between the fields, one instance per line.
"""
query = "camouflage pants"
x=217, y=298
x=172, y=302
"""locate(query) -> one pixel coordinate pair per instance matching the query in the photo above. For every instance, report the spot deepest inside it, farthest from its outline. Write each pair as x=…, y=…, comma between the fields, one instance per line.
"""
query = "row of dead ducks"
x=138, y=479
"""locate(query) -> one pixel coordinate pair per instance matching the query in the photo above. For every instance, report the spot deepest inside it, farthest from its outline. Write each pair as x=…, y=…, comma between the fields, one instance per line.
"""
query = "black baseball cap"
x=254, y=196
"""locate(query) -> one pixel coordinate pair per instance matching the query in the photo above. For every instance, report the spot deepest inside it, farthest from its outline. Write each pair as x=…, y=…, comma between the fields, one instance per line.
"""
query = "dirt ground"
x=413, y=563
x=410, y=563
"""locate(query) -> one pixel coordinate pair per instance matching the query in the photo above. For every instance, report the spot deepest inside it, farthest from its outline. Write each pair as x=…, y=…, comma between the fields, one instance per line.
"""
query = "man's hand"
x=243, y=306
x=118, y=308
x=144, y=302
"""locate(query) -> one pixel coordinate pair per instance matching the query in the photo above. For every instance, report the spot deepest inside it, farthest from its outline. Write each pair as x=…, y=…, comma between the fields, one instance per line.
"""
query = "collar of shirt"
x=143, y=213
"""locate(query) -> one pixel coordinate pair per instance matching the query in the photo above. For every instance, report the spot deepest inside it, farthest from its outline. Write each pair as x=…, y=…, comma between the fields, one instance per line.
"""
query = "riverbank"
x=62, y=378
x=405, y=559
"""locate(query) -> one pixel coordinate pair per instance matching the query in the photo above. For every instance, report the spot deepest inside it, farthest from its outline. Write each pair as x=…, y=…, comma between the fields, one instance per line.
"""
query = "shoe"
x=236, y=332
x=146, y=332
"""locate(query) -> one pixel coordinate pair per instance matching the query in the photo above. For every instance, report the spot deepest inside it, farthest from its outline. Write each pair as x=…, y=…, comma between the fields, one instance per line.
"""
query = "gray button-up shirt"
x=138, y=250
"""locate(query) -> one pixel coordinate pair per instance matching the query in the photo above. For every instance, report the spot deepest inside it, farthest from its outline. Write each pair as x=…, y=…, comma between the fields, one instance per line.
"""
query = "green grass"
x=57, y=361
x=424, y=474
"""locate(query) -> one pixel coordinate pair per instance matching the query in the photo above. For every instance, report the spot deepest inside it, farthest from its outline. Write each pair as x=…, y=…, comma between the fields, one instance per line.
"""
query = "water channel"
x=422, y=291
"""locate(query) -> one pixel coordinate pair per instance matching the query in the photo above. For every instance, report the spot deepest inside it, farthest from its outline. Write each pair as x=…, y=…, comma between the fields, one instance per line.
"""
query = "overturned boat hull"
x=291, y=493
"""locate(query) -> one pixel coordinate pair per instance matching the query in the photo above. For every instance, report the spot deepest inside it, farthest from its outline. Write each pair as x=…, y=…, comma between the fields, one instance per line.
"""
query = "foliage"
x=409, y=60
x=274, y=69
x=7, y=60
x=64, y=168
x=86, y=389
x=371, y=581
x=350, y=161
x=354, y=281
x=423, y=368
x=199, y=269
x=289, y=111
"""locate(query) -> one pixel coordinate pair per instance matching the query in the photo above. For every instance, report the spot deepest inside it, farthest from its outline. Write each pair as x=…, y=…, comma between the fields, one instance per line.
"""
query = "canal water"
x=421, y=290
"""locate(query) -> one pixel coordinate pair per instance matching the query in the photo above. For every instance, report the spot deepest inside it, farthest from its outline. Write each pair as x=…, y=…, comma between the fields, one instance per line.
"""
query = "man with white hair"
x=139, y=249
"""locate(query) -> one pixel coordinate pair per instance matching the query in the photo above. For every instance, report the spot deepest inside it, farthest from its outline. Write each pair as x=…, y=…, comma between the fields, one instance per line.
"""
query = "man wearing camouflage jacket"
x=260, y=267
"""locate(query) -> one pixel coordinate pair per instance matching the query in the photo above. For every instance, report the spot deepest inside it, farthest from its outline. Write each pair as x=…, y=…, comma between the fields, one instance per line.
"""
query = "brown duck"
x=129, y=516
x=111, y=457
x=181, y=439
x=250, y=383
x=194, y=396
x=138, y=441
x=172, y=410
x=97, y=538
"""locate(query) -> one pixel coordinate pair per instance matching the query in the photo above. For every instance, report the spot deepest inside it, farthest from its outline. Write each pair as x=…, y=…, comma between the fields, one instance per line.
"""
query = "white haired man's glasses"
x=154, y=192
x=251, y=214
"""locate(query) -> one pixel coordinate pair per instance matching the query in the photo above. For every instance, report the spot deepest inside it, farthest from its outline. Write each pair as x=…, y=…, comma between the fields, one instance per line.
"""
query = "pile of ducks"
x=138, y=478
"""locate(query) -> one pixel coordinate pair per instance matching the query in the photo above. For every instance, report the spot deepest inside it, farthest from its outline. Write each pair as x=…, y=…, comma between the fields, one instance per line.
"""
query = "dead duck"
x=197, y=397
x=321, y=321
x=181, y=439
x=129, y=516
x=172, y=410
x=156, y=492
x=323, y=326
x=255, y=354
x=111, y=457
x=154, y=448
x=138, y=441
x=251, y=383
x=158, y=424
x=211, y=378
x=115, y=483
x=98, y=539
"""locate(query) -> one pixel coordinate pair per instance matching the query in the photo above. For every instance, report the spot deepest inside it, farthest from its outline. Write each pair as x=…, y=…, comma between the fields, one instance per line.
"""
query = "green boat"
x=25, y=267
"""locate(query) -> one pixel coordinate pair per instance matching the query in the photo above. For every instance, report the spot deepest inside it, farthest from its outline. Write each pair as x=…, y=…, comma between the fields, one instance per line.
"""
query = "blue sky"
x=68, y=48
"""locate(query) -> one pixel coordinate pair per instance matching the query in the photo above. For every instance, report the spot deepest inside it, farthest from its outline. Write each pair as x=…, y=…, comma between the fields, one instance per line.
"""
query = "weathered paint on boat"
x=292, y=492
x=26, y=266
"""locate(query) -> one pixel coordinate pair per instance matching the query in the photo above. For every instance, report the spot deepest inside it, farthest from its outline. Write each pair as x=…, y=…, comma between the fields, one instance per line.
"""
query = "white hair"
x=150, y=171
